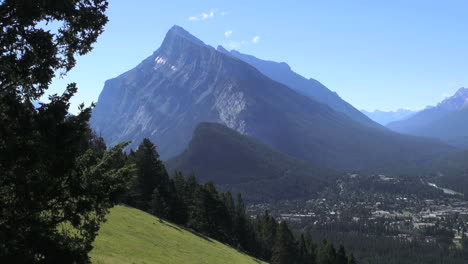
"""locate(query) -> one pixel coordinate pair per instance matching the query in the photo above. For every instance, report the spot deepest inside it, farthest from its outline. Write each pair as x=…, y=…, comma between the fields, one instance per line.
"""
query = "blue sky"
x=375, y=54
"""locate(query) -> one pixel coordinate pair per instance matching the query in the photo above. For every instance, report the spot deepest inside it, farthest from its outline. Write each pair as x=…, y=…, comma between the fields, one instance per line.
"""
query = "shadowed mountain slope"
x=240, y=163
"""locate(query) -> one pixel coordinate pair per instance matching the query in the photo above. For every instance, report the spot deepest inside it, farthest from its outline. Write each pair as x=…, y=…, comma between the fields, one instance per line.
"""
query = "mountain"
x=452, y=128
x=133, y=236
x=446, y=121
x=282, y=73
x=385, y=117
x=186, y=82
x=424, y=117
x=239, y=163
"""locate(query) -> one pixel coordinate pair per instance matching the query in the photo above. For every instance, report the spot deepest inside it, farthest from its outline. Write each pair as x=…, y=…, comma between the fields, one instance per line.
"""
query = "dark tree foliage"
x=304, y=252
x=203, y=209
x=30, y=55
x=152, y=190
x=150, y=173
x=326, y=254
x=284, y=249
x=389, y=250
x=341, y=257
x=57, y=181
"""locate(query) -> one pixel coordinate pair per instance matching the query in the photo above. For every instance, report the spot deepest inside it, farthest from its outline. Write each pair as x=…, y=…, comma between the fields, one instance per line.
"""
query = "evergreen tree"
x=240, y=222
x=57, y=182
x=284, y=250
x=326, y=254
x=197, y=219
x=341, y=257
x=304, y=256
x=464, y=241
x=180, y=207
x=159, y=207
x=351, y=259
x=311, y=247
x=150, y=174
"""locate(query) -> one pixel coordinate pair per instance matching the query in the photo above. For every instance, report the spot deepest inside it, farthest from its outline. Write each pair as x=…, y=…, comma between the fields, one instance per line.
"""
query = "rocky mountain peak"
x=222, y=49
x=462, y=92
x=177, y=39
x=177, y=32
x=457, y=101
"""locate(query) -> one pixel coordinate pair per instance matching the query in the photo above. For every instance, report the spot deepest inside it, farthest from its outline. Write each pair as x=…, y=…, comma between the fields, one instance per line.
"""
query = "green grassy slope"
x=133, y=236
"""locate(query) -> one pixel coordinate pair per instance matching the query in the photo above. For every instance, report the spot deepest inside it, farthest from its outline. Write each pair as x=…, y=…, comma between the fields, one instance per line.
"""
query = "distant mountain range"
x=186, y=82
x=386, y=117
x=447, y=121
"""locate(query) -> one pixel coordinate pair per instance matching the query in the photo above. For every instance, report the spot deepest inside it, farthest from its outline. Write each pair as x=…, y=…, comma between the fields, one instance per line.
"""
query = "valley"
x=292, y=147
x=377, y=207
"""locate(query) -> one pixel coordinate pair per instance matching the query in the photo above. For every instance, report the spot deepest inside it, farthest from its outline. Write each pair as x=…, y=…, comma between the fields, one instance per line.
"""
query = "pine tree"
x=180, y=206
x=304, y=256
x=197, y=218
x=159, y=206
x=341, y=256
x=311, y=248
x=284, y=251
x=326, y=254
x=351, y=259
x=150, y=172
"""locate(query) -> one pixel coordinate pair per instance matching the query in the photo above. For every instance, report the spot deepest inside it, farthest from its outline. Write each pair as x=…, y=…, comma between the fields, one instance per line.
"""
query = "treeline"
x=202, y=208
x=370, y=249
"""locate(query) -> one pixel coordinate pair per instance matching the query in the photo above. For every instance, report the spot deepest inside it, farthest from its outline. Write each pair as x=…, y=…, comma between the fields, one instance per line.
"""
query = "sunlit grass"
x=132, y=236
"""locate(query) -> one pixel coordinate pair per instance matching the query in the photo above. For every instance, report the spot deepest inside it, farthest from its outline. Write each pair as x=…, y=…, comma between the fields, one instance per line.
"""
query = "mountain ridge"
x=447, y=121
x=282, y=73
x=386, y=117
x=186, y=82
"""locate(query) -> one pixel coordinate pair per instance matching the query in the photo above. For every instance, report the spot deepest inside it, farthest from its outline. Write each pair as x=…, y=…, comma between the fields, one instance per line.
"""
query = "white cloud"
x=206, y=15
x=255, y=39
x=228, y=33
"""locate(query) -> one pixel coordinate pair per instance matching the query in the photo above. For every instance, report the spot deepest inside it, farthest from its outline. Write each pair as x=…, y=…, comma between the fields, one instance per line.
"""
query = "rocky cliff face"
x=186, y=82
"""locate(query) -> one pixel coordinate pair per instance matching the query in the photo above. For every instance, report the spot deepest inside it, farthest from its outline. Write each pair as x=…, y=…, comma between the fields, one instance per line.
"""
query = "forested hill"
x=243, y=164
x=217, y=215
